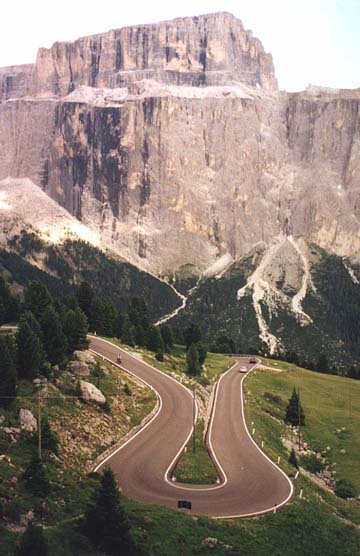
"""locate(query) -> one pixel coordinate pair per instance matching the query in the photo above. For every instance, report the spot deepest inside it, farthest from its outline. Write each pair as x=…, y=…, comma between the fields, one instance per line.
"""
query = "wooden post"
x=39, y=424
x=299, y=423
x=349, y=399
x=194, y=421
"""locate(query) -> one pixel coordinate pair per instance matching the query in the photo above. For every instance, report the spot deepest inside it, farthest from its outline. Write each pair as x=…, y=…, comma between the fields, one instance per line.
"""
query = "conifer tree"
x=7, y=371
x=29, y=350
x=353, y=372
x=32, y=542
x=192, y=335
x=86, y=297
x=202, y=351
x=192, y=360
x=36, y=478
x=322, y=364
x=294, y=414
x=154, y=340
x=292, y=459
x=76, y=329
x=138, y=312
x=37, y=298
x=54, y=339
x=167, y=337
x=49, y=439
x=128, y=332
x=106, y=523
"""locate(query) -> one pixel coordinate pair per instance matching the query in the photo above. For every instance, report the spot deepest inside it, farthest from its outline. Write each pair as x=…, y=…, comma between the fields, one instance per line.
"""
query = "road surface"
x=250, y=483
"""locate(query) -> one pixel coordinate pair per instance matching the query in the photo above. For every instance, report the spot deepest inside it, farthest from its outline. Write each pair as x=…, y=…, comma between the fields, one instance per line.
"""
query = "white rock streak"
x=351, y=272
x=306, y=281
x=169, y=316
x=260, y=288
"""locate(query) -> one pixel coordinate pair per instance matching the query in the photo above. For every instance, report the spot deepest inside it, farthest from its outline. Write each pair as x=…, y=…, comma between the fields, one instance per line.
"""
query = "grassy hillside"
x=331, y=405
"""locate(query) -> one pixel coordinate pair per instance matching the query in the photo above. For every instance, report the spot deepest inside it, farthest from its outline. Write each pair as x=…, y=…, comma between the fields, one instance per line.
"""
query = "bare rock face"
x=212, y=49
x=172, y=142
x=27, y=420
x=15, y=81
x=91, y=394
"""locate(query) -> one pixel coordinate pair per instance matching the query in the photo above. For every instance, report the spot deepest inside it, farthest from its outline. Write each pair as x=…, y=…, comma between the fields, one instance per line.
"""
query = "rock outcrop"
x=177, y=131
x=91, y=394
x=79, y=368
x=27, y=420
x=212, y=50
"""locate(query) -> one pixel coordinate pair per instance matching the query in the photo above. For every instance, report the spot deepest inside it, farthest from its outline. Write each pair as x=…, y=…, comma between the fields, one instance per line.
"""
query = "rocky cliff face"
x=212, y=49
x=15, y=81
x=173, y=142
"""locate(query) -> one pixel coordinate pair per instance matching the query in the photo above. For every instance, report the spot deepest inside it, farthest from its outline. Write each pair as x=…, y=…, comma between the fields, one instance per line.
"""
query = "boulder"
x=79, y=368
x=85, y=357
x=209, y=542
x=91, y=394
x=27, y=420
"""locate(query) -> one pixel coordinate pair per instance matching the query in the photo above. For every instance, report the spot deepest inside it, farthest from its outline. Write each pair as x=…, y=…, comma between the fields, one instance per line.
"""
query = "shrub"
x=345, y=489
x=311, y=463
x=270, y=397
x=127, y=389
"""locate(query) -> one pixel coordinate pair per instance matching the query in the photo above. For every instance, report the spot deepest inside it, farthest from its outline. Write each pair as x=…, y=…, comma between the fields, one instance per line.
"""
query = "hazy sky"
x=312, y=41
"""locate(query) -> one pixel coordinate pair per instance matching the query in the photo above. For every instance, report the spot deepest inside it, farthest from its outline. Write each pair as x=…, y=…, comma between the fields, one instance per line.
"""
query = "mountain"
x=172, y=143
x=39, y=240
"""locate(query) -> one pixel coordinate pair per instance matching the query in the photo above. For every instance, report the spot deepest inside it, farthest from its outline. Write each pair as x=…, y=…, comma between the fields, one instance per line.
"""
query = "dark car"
x=252, y=360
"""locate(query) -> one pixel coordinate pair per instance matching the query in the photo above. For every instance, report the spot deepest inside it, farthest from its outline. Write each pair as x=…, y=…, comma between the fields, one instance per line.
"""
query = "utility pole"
x=299, y=419
x=39, y=424
x=349, y=399
x=194, y=419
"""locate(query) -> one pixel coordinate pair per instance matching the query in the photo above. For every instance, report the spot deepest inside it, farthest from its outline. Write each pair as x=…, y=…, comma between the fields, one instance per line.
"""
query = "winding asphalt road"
x=251, y=483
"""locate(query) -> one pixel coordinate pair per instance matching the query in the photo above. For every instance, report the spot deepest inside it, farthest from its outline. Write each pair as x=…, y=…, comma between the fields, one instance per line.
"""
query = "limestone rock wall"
x=15, y=81
x=173, y=142
x=211, y=49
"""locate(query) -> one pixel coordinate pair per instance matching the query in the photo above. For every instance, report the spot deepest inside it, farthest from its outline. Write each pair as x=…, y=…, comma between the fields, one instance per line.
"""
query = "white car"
x=243, y=370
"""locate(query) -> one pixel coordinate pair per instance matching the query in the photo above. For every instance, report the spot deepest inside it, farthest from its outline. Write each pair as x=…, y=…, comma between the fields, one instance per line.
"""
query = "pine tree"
x=128, y=332
x=86, y=297
x=294, y=414
x=202, y=351
x=224, y=344
x=54, y=339
x=353, y=372
x=167, y=337
x=192, y=360
x=138, y=312
x=154, y=340
x=322, y=364
x=35, y=477
x=49, y=439
x=106, y=523
x=37, y=298
x=292, y=459
x=29, y=351
x=9, y=306
x=192, y=335
x=7, y=371
x=32, y=542
x=76, y=329
x=118, y=324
